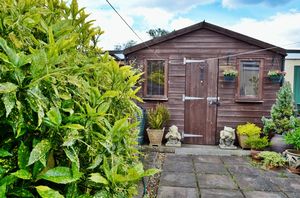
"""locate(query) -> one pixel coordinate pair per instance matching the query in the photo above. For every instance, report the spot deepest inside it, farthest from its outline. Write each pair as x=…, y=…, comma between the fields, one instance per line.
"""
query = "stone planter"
x=242, y=141
x=155, y=136
x=293, y=158
x=278, y=144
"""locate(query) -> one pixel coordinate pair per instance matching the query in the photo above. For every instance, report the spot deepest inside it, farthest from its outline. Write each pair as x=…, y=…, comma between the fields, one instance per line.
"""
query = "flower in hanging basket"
x=276, y=75
x=230, y=72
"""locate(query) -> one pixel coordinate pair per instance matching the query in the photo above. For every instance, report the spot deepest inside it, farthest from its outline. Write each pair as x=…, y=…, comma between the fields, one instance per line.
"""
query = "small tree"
x=282, y=112
x=154, y=33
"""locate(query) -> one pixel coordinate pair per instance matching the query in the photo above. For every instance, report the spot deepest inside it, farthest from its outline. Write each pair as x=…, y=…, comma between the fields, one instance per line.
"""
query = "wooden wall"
x=202, y=44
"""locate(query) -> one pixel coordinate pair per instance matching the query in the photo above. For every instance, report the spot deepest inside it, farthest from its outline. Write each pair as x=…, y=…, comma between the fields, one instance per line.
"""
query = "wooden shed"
x=184, y=70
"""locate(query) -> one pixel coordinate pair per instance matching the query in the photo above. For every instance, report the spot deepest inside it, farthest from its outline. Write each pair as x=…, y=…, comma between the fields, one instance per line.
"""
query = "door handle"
x=213, y=100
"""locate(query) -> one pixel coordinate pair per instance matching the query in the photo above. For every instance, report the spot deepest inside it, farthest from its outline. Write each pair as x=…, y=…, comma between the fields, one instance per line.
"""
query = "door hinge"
x=184, y=98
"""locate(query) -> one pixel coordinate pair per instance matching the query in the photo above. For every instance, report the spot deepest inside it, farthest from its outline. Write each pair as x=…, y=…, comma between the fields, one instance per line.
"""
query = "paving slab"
x=184, y=167
x=263, y=194
x=287, y=184
x=178, y=158
x=244, y=170
x=234, y=160
x=255, y=183
x=216, y=181
x=292, y=194
x=211, y=168
x=220, y=193
x=178, y=179
x=207, y=159
x=177, y=192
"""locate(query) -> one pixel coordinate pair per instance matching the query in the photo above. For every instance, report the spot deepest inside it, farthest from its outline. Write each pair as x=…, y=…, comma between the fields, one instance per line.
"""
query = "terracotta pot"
x=155, y=136
x=254, y=155
x=293, y=158
x=242, y=139
x=278, y=144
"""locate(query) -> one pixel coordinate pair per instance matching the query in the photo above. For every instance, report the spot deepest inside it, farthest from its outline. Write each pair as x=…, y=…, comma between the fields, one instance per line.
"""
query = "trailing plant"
x=65, y=107
x=257, y=143
x=282, y=113
x=271, y=159
x=293, y=138
x=248, y=129
x=158, y=117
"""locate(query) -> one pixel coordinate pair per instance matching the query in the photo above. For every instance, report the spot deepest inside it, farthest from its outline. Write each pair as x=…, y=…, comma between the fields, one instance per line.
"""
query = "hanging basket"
x=275, y=79
x=229, y=78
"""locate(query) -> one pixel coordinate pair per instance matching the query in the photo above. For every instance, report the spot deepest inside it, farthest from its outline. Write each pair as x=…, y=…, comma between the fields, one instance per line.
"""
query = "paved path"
x=187, y=176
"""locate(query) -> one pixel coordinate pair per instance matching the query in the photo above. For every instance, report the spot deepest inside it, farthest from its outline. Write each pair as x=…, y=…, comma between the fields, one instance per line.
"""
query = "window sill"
x=249, y=101
x=157, y=99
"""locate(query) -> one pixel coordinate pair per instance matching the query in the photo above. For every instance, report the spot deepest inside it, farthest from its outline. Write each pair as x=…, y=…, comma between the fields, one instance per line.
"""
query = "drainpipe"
x=282, y=68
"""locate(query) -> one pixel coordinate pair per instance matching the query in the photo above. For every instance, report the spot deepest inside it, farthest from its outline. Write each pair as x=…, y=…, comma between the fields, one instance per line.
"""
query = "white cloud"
x=239, y=3
x=280, y=29
x=180, y=23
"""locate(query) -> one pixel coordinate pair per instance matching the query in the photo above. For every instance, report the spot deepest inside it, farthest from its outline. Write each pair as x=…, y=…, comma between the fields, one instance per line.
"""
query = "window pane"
x=155, y=77
x=249, y=78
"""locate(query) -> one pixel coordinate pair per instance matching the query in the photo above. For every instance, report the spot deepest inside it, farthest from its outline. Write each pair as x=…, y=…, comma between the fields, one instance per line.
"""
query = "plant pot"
x=293, y=158
x=242, y=141
x=155, y=136
x=229, y=78
x=275, y=79
x=254, y=155
x=278, y=144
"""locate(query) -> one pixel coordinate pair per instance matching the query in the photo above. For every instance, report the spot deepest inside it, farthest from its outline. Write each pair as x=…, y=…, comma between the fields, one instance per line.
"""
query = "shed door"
x=200, y=103
x=297, y=85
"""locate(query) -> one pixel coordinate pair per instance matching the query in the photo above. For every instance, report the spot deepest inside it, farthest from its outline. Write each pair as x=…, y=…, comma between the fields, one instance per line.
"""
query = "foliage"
x=230, y=72
x=154, y=33
x=293, y=138
x=276, y=73
x=271, y=159
x=157, y=77
x=65, y=106
x=282, y=113
x=248, y=129
x=257, y=143
x=125, y=45
x=158, y=117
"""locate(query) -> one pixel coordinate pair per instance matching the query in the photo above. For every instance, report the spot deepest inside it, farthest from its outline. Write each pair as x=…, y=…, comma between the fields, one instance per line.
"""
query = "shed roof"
x=208, y=26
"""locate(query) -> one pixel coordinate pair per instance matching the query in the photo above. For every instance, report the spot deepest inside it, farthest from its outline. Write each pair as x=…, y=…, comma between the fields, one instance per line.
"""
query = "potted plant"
x=245, y=131
x=230, y=74
x=157, y=119
x=276, y=75
x=282, y=119
x=257, y=144
x=271, y=159
x=293, y=155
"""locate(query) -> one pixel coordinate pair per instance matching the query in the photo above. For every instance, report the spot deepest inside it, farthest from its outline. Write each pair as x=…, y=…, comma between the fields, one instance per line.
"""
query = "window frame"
x=258, y=98
x=155, y=97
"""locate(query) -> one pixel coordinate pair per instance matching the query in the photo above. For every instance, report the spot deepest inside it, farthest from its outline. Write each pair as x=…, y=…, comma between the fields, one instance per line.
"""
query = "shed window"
x=155, y=85
x=250, y=80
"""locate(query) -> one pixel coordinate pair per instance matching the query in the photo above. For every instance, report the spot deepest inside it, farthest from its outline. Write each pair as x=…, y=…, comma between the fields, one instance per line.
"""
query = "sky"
x=273, y=21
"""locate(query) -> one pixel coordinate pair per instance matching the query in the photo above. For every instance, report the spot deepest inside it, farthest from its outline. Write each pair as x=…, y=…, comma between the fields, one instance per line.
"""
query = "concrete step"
x=188, y=149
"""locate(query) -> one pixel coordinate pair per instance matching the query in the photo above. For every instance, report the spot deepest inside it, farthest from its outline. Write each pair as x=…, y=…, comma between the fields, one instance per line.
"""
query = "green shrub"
x=158, y=117
x=293, y=138
x=257, y=143
x=65, y=107
x=282, y=113
x=248, y=129
x=272, y=159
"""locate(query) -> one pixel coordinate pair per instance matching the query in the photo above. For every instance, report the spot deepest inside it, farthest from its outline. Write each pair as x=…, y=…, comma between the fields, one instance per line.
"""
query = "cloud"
x=180, y=23
x=239, y=3
x=281, y=29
